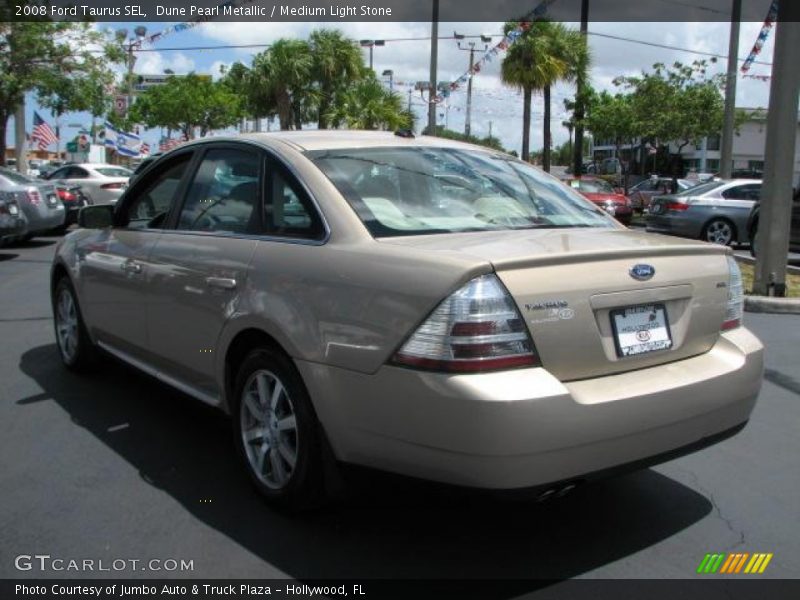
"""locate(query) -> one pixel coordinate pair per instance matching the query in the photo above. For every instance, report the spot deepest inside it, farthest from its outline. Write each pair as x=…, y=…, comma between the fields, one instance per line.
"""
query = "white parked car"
x=101, y=183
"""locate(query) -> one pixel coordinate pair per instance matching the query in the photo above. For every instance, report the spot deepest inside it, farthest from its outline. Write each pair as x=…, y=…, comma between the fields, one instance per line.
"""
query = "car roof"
x=329, y=139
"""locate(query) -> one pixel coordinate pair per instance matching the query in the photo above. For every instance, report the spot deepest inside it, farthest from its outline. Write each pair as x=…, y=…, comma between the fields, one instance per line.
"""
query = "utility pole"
x=577, y=154
x=20, y=139
x=434, y=59
x=485, y=39
x=726, y=150
x=490, y=130
x=776, y=191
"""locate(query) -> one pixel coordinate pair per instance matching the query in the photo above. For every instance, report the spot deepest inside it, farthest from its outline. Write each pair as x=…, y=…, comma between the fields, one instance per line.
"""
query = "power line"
x=667, y=47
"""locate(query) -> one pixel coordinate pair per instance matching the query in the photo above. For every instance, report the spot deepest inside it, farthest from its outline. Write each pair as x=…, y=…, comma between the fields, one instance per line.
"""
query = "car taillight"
x=676, y=206
x=735, y=306
x=33, y=196
x=66, y=196
x=477, y=328
x=113, y=186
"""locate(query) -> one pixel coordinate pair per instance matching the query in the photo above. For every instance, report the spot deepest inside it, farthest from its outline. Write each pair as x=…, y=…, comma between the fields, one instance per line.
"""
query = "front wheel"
x=719, y=231
x=74, y=345
x=276, y=431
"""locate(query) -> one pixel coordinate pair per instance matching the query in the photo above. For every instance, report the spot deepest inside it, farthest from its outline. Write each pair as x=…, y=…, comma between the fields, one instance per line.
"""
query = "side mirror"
x=98, y=216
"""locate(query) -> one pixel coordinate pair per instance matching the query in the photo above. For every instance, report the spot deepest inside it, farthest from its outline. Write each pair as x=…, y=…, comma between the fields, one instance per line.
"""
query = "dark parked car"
x=794, y=231
x=73, y=199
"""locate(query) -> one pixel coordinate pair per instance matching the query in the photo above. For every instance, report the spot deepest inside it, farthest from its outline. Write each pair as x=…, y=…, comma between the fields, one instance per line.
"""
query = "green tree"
x=59, y=60
x=545, y=53
x=681, y=103
x=612, y=117
x=367, y=104
x=186, y=103
x=336, y=64
x=281, y=83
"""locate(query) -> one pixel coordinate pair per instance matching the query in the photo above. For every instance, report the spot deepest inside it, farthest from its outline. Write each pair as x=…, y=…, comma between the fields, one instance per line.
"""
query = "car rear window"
x=424, y=190
x=15, y=177
x=701, y=189
x=114, y=171
x=591, y=186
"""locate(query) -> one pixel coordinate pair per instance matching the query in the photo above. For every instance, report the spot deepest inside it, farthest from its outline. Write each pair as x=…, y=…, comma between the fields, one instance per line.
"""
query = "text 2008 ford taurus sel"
x=420, y=306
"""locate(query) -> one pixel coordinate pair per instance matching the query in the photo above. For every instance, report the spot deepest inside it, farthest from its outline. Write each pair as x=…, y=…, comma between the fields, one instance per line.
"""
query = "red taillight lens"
x=33, y=196
x=112, y=186
x=66, y=196
x=477, y=328
x=676, y=206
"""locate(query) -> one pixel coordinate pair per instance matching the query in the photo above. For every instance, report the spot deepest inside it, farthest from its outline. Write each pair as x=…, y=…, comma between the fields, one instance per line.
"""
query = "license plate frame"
x=630, y=343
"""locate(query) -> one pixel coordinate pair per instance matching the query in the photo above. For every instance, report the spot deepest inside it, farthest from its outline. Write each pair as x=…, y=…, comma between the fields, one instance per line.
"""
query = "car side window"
x=152, y=198
x=750, y=191
x=77, y=173
x=60, y=173
x=224, y=194
x=288, y=211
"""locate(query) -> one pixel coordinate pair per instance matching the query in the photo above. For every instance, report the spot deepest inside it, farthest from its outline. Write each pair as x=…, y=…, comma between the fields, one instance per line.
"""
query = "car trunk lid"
x=572, y=287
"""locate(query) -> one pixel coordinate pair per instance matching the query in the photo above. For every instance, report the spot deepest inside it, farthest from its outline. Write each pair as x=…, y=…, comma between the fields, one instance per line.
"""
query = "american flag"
x=167, y=144
x=144, y=149
x=42, y=132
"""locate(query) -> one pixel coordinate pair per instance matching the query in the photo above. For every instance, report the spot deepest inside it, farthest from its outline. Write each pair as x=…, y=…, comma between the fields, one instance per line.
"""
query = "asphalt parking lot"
x=118, y=465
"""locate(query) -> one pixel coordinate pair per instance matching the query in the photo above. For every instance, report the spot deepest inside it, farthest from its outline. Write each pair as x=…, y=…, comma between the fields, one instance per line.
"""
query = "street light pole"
x=434, y=59
x=726, y=150
x=486, y=39
x=776, y=191
x=577, y=151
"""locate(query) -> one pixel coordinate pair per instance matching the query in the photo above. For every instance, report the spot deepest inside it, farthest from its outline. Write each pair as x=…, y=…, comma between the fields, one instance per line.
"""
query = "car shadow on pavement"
x=37, y=243
x=7, y=256
x=390, y=531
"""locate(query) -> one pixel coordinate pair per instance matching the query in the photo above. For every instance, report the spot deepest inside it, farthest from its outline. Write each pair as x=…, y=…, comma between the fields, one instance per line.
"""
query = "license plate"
x=12, y=209
x=641, y=329
x=52, y=200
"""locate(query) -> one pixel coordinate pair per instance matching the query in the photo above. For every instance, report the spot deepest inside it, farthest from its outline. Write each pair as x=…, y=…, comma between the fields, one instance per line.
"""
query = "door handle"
x=131, y=267
x=223, y=283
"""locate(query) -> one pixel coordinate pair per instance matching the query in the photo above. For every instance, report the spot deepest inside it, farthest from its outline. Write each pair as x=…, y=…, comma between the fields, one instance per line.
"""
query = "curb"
x=769, y=304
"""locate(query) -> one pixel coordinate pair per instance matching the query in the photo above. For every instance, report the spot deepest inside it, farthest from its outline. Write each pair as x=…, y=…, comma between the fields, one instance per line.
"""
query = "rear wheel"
x=276, y=431
x=74, y=345
x=719, y=231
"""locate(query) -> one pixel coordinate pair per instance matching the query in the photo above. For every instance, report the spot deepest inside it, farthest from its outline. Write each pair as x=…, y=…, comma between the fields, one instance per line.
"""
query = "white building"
x=748, y=149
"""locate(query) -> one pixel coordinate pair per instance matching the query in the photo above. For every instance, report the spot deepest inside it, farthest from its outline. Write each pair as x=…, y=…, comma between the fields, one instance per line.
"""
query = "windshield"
x=15, y=177
x=591, y=186
x=701, y=189
x=114, y=171
x=421, y=190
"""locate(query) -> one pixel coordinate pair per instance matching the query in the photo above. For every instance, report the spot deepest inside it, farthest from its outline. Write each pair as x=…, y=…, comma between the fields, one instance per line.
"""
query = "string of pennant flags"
x=763, y=35
x=508, y=40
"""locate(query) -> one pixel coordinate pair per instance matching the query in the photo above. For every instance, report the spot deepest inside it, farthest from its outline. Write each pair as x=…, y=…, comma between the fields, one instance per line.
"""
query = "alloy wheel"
x=67, y=325
x=269, y=429
x=719, y=232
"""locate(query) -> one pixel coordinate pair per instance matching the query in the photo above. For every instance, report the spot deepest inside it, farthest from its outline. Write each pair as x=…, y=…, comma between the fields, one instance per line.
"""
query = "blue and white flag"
x=126, y=144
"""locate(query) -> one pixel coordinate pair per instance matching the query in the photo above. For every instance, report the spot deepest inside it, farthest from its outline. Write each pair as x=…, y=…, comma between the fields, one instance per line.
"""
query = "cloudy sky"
x=492, y=101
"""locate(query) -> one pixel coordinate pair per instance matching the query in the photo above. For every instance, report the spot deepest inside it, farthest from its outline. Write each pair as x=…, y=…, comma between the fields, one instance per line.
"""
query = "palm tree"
x=281, y=82
x=369, y=105
x=337, y=62
x=544, y=54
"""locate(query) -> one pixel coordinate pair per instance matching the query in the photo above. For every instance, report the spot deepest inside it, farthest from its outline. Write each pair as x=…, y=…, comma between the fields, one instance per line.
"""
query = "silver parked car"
x=716, y=211
x=13, y=224
x=100, y=183
x=38, y=199
x=421, y=306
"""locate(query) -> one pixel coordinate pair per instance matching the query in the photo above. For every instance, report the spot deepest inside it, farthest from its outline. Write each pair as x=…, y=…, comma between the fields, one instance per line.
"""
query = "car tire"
x=719, y=231
x=75, y=347
x=754, y=240
x=276, y=432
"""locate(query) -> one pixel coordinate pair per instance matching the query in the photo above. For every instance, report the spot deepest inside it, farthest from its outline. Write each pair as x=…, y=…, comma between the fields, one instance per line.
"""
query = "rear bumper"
x=51, y=219
x=524, y=428
x=673, y=225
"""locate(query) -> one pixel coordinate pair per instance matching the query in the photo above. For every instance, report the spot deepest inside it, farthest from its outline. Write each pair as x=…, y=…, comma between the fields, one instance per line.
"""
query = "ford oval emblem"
x=642, y=272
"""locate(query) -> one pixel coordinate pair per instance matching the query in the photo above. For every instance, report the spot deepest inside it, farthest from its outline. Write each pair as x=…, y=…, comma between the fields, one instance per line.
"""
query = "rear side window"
x=151, y=199
x=743, y=192
x=224, y=194
x=288, y=211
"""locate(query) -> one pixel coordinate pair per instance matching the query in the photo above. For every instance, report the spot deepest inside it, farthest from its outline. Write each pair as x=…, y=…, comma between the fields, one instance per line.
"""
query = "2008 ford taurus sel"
x=415, y=305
